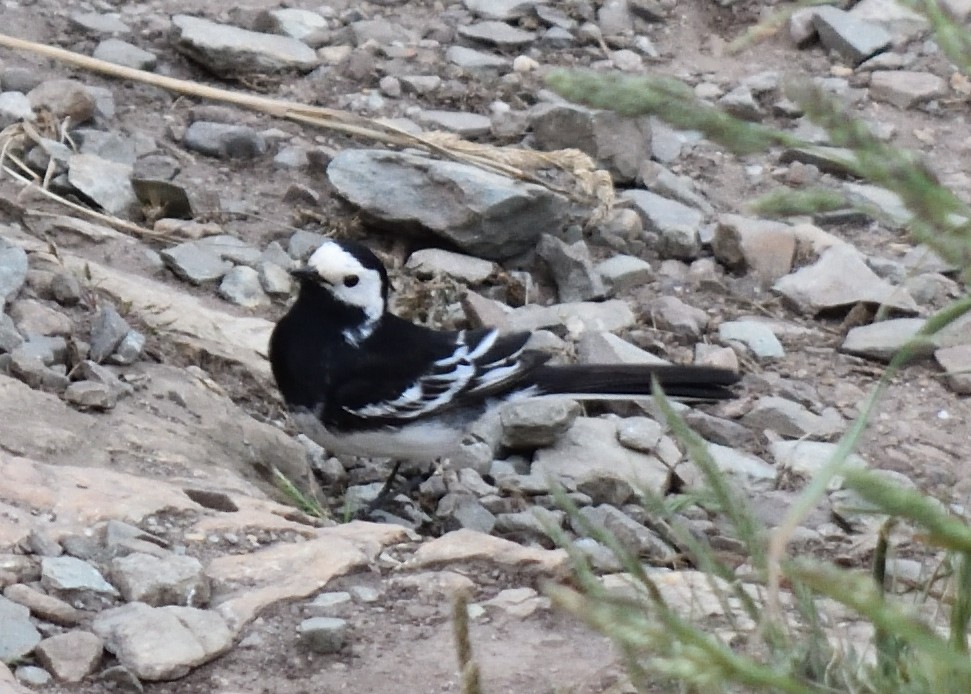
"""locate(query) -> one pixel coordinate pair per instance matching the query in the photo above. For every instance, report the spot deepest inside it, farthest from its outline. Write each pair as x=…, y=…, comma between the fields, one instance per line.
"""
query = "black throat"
x=308, y=338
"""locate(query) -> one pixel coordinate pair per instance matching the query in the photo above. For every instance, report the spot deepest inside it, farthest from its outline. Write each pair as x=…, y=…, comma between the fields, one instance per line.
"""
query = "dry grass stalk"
x=591, y=185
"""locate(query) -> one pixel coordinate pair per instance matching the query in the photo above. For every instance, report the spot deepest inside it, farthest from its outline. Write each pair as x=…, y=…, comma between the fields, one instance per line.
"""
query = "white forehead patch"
x=334, y=264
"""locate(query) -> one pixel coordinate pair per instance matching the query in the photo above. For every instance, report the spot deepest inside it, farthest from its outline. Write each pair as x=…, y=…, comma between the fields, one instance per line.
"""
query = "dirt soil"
x=403, y=639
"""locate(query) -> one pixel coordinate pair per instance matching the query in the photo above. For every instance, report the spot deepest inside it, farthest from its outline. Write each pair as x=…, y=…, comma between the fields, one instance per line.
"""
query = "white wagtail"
x=359, y=380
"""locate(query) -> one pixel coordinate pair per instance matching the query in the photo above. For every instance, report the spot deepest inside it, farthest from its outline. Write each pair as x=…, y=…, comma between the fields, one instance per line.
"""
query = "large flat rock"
x=483, y=213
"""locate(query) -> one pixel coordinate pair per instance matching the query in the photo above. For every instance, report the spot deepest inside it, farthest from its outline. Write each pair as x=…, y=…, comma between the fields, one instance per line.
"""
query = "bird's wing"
x=465, y=368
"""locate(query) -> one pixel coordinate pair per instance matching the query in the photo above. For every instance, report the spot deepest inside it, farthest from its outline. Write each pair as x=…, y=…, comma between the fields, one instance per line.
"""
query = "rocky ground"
x=144, y=543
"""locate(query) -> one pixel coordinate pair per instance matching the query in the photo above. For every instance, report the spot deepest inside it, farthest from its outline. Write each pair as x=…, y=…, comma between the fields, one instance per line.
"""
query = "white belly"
x=420, y=441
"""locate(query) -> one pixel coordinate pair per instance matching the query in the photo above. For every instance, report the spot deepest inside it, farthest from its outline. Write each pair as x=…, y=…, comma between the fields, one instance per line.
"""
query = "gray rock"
x=14, y=107
x=70, y=574
x=531, y=525
x=758, y=337
x=906, y=88
x=295, y=23
x=536, y=422
x=806, y=458
x=572, y=269
x=679, y=241
x=614, y=18
x=892, y=209
x=168, y=580
x=790, y=419
x=274, y=279
x=763, y=247
x=65, y=99
x=123, y=53
x=590, y=459
x=90, y=371
x=107, y=332
x=162, y=643
x=465, y=511
x=470, y=59
x=230, y=51
x=303, y=243
x=70, y=656
x=920, y=259
x=596, y=347
x=662, y=181
x=482, y=213
x=420, y=84
x=719, y=430
x=50, y=350
x=557, y=37
x=195, y=263
x=670, y=313
x=428, y=262
x=497, y=34
x=956, y=362
x=118, y=677
x=242, y=286
x=13, y=271
x=48, y=152
x=623, y=272
x=619, y=143
x=958, y=9
x=323, y=635
x=640, y=434
x=601, y=558
x=470, y=480
x=853, y=38
x=840, y=279
x=232, y=249
x=470, y=125
x=89, y=395
x=381, y=31
x=291, y=158
x=36, y=318
x=893, y=16
x=741, y=103
x=632, y=536
x=66, y=289
x=627, y=60
x=751, y=471
x=330, y=604
x=32, y=371
x=32, y=676
x=108, y=183
x=130, y=349
x=660, y=214
x=884, y=339
x=224, y=140
x=10, y=337
x=18, y=636
x=501, y=10
x=112, y=146
x=838, y=161
x=98, y=23
x=575, y=318
x=551, y=16
x=274, y=253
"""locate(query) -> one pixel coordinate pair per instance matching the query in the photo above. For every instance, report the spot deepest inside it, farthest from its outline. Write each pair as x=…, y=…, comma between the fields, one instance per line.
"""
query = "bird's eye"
x=351, y=280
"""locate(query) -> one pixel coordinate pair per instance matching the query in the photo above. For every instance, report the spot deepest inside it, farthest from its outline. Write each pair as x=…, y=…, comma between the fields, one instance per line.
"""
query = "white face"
x=350, y=282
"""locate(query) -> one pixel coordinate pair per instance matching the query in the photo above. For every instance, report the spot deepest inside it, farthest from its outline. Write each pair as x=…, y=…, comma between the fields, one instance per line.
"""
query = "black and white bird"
x=361, y=381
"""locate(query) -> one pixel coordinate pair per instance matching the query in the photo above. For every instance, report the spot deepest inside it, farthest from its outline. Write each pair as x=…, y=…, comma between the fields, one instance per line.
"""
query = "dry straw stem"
x=12, y=137
x=591, y=185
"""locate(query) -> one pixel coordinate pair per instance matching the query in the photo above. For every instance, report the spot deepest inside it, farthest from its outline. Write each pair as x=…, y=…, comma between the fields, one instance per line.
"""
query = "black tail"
x=634, y=380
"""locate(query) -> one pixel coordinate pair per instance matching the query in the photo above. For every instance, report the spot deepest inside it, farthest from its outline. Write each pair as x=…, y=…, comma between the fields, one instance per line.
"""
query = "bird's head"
x=348, y=272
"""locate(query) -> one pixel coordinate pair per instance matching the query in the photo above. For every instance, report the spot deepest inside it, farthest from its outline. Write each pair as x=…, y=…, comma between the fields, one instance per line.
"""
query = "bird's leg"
x=381, y=499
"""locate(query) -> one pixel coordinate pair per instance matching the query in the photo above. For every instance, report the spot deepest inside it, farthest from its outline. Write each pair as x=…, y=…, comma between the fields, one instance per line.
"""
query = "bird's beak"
x=305, y=273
